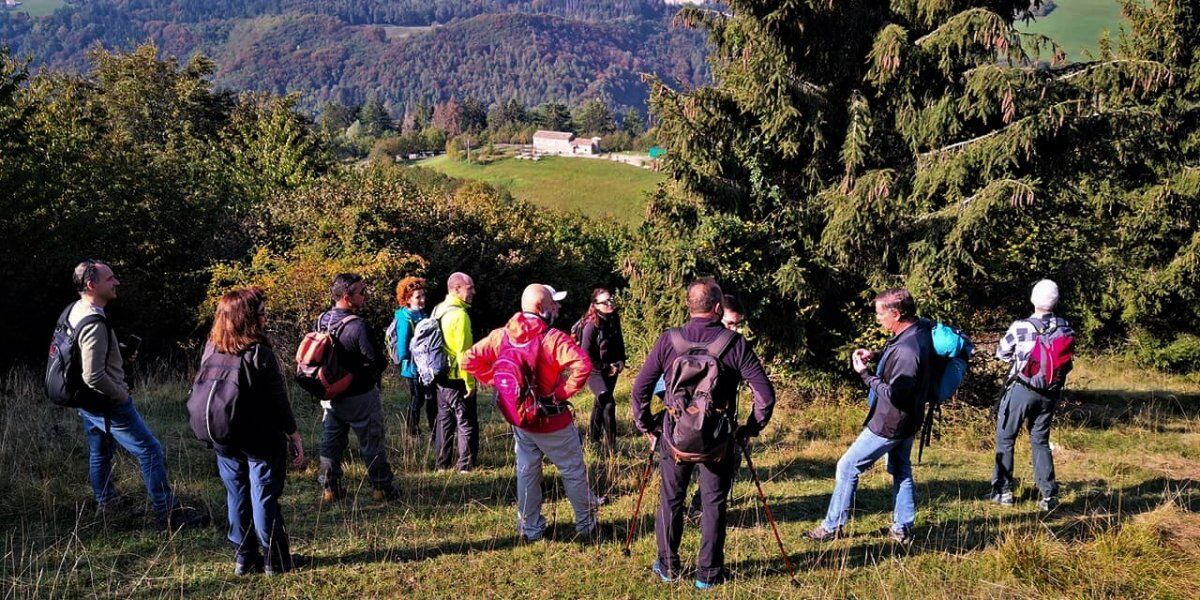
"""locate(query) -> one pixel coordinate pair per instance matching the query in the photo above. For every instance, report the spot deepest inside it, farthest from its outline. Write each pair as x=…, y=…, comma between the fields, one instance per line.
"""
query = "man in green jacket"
x=457, y=406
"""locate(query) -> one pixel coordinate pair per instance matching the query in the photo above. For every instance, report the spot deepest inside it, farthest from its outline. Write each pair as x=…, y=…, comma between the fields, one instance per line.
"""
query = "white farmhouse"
x=564, y=143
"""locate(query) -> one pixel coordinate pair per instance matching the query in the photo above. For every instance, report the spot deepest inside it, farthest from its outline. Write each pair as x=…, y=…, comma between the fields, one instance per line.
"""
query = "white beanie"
x=1044, y=296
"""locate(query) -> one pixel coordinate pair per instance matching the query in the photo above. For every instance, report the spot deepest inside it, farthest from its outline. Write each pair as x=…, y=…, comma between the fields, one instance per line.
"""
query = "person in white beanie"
x=1038, y=349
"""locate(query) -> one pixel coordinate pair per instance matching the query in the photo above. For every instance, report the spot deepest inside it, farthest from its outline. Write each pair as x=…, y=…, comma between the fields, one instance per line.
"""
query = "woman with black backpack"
x=257, y=431
x=599, y=334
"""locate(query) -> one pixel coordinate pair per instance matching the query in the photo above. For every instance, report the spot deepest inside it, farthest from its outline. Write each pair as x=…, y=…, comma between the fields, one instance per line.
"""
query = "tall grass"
x=1126, y=528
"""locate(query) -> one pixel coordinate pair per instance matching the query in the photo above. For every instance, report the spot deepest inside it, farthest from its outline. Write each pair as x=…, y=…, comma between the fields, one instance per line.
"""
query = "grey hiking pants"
x=1023, y=407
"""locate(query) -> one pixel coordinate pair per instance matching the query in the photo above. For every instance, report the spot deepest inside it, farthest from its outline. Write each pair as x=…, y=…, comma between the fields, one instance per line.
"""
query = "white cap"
x=1045, y=295
x=557, y=295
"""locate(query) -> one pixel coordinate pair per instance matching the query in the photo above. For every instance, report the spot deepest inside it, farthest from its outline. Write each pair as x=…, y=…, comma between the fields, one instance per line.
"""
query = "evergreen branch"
x=955, y=23
x=1092, y=66
x=1023, y=120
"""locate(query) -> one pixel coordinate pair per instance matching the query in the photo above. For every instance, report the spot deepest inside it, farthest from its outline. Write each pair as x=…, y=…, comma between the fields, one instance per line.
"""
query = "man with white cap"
x=1038, y=349
x=558, y=368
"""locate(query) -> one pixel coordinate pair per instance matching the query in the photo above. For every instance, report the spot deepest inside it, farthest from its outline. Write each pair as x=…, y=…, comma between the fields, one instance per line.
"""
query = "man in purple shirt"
x=737, y=363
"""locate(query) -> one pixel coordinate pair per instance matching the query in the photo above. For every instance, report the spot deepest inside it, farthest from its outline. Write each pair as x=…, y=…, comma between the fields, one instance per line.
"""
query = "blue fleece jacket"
x=406, y=325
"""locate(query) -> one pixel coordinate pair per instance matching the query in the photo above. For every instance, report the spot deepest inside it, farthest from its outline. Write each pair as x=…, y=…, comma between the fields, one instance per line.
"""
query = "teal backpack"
x=952, y=350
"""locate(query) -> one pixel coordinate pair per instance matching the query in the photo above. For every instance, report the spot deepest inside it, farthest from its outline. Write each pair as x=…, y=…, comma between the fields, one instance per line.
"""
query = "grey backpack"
x=428, y=349
x=699, y=425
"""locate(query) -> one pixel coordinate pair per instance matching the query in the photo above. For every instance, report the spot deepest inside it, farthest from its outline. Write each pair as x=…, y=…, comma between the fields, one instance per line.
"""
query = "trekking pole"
x=641, y=492
x=767, y=509
x=927, y=430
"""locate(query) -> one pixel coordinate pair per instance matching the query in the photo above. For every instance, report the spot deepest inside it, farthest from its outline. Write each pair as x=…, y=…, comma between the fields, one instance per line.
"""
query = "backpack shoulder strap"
x=336, y=329
x=66, y=313
x=89, y=320
x=1036, y=327
x=718, y=347
x=681, y=345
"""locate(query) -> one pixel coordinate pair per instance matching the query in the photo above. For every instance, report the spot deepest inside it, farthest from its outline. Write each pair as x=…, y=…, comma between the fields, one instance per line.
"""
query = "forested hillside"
x=405, y=51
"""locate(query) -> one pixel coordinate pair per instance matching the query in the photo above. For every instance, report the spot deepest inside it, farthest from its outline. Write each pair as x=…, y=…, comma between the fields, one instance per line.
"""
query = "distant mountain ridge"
x=346, y=50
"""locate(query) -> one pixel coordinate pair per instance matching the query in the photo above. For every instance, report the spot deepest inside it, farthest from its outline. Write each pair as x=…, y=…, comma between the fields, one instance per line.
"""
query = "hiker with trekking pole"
x=703, y=364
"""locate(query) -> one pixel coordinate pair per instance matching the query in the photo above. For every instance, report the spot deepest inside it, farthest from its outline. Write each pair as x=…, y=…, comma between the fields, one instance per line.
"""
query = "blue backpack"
x=953, y=349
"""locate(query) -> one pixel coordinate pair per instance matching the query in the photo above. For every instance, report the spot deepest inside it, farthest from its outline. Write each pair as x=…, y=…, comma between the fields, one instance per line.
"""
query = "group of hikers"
x=239, y=404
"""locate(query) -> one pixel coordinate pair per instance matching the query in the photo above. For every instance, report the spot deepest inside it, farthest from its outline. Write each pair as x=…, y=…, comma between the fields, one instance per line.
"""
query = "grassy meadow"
x=1077, y=24
x=1127, y=527
x=593, y=187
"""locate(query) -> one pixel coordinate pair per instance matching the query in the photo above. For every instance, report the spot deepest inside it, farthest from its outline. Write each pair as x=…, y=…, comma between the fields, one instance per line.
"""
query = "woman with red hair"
x=410, y=297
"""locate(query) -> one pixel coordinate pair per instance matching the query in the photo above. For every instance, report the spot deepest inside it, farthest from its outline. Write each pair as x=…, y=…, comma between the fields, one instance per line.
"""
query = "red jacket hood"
x=524, y=326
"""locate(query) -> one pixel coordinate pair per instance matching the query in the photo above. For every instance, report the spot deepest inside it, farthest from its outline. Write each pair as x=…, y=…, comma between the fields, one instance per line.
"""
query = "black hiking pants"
x=716, y=478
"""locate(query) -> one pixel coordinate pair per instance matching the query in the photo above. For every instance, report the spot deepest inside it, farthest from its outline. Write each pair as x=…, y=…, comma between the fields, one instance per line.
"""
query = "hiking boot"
x=820, y=534
x=901, y=535
x=246, y=567
x=181, y=517
x=333, y=493
x=298, y=561
x=712, y=582
x=116, y=507
x=1048, y=503
x=1003, y=498
x=386, y=494
x=664, y=575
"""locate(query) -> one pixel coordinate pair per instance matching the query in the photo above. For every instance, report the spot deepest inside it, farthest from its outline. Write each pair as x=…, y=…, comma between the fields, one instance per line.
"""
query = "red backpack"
x=1050, y=358
x=317, y=368
x=514, y=380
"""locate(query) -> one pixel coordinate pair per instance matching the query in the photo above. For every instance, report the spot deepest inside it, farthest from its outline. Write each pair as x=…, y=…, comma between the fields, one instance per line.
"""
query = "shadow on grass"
x=1091, y=513
x=1104, y=408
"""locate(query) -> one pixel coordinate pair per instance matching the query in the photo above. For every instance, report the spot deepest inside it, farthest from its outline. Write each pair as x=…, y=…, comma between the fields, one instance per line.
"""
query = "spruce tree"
x=849, y=146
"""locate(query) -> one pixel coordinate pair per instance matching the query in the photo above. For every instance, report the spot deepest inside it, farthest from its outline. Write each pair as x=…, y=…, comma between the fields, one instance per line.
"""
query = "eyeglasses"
x=609, y=302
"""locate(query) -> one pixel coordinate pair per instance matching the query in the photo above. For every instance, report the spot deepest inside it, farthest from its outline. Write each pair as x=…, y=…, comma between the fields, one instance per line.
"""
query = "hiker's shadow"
x=415, y=552
x=747, y=510
x=1094, y=511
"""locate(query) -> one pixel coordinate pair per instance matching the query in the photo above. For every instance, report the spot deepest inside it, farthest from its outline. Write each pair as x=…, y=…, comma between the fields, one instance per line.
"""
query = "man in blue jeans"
x=109, y=417
x=901, y=385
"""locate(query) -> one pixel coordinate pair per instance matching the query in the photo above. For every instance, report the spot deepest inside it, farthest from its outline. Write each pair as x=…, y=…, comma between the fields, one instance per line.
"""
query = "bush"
x=1181, y=355
x=388, y=222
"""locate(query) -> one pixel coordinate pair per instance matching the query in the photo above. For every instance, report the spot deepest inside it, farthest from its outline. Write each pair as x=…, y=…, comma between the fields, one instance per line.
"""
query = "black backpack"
x=577, y=330
x=213, y=404
x=64, y=370
x=701, y=425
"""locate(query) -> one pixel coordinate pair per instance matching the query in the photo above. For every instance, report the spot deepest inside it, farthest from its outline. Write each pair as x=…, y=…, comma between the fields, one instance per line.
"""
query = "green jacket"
x=456, y=333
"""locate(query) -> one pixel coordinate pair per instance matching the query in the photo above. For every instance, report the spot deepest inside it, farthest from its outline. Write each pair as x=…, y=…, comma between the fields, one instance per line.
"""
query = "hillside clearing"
x=593, y=187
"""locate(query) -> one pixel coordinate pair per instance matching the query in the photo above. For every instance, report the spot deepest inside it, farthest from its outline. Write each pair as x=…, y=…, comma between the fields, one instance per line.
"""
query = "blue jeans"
x=863, y=453
x=252, y=490
x=125, y=427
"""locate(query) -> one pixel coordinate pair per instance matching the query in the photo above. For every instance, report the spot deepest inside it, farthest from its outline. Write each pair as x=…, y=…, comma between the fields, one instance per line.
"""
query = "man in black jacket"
x=899, y=389
x=738, y=362
x=360, y=408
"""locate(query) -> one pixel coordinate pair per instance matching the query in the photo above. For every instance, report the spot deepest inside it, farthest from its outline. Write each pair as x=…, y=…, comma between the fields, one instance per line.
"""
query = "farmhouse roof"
x=553, y=135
